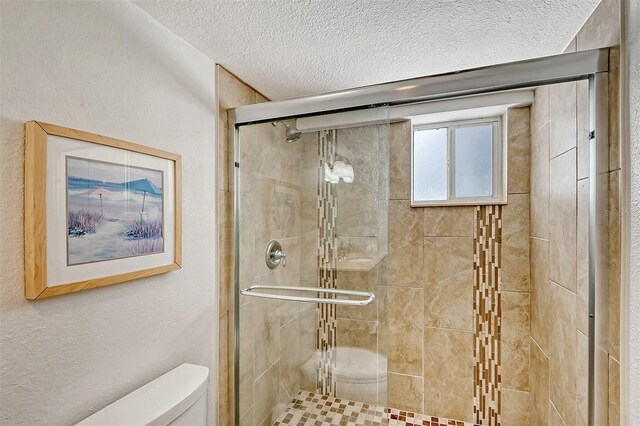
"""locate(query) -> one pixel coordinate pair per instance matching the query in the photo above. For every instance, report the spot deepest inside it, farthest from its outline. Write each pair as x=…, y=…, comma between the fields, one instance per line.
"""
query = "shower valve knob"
x=275, y=256
x=280, y=256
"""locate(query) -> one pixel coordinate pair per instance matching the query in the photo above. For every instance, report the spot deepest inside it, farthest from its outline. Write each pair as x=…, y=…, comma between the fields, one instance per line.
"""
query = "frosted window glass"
x=430, y=164
x=473, y=161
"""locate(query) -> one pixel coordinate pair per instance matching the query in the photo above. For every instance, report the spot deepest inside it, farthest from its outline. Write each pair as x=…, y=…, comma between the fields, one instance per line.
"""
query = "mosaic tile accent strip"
x=326, y=268
x=487, y=281
x=309, y=409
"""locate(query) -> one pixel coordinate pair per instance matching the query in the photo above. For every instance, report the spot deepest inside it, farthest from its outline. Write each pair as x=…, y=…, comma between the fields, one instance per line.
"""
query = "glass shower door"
x=312, y=241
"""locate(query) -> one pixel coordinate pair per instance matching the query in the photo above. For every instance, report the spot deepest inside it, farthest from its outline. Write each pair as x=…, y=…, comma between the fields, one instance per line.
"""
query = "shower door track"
x=591, y=65
x=495, y=78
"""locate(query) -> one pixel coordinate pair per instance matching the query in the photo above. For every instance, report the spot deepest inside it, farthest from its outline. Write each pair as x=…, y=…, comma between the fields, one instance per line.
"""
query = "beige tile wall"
x=431, y=260
x=556, y=323
x=362, y=229
x=516, y=273
x=559, y=238
x=271, y=209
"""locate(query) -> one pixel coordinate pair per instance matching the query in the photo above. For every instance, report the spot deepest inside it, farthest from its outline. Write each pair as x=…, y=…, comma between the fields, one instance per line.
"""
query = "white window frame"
x=499, y=164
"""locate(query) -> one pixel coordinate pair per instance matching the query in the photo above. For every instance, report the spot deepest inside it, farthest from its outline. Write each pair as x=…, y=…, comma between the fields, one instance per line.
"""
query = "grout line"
x=295, y=317
x=542, y=126
x=247, y=411
x=423, y=363
x=540, y=347
x=401, y=286
x=563, y=287
x=615, y=359
x=554, y=406
x=265, y=371
x=359, y=320
x=516, y=291
x=538, y=238
x=448, y=236
x=448, y=329
x=405, y=375
x=562, y=153
x=515, y=390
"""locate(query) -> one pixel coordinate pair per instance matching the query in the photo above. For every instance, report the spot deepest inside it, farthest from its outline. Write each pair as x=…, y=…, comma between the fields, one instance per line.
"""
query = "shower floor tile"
x=310, y=409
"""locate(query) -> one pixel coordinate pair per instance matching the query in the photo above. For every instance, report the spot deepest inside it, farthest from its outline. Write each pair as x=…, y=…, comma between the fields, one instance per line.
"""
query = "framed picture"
x=98, y=211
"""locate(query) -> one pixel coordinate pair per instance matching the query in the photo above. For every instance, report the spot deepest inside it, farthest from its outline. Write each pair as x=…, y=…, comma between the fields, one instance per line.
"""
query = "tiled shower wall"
x=487, y=314
x=326, y=380
x=424, y=318
x=271, y=203
x=271, y=338
x=360, y=230
x=559, y=238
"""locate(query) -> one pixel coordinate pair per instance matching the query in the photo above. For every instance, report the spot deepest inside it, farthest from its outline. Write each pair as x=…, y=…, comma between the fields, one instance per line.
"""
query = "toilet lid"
x=353, y=365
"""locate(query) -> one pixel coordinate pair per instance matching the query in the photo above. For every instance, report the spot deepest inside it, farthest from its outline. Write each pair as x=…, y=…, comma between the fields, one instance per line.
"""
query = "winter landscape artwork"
x=98, y=210
x=113, y=211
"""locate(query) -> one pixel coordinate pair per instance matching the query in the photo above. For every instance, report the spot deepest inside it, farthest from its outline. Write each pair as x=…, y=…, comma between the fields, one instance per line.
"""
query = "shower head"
x=291, y=132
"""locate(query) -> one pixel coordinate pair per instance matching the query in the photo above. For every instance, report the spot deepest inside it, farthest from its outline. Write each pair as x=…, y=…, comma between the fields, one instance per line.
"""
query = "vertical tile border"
x=327, y=258
x=487, y=312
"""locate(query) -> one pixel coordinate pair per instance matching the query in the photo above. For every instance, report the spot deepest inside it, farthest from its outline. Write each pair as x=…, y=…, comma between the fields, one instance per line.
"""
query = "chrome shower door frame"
x=591, y=65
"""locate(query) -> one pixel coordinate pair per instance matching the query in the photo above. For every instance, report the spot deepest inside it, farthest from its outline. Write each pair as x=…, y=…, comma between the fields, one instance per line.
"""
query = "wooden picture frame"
x=102, y=245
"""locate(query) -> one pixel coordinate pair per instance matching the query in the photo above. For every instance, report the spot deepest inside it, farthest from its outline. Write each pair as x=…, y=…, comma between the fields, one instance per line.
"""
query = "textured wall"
x=109, y=68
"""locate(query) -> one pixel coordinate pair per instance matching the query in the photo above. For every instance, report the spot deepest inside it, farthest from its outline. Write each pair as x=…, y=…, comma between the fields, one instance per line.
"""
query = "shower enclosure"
x=313, y=240
x=328, y=294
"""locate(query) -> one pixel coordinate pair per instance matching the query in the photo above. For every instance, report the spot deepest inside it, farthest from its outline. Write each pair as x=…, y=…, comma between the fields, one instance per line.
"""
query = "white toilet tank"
x=176, y=398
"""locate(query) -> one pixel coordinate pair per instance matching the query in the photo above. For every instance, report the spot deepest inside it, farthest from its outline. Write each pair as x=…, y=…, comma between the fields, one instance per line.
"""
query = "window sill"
x=460, y=203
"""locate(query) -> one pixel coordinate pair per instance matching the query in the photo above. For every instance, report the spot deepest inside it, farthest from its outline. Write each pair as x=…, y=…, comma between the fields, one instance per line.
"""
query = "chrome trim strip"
x=598, y=338
x=235, y=132
x=370, y=297
x=494, y=78
x=591, y=250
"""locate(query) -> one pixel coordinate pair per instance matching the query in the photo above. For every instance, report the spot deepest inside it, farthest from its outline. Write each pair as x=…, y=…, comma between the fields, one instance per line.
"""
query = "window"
x=458, y=163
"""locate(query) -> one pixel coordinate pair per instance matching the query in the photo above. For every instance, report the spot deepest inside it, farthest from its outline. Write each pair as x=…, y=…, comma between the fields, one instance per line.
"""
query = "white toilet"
x=361, y=374
x=176, y=398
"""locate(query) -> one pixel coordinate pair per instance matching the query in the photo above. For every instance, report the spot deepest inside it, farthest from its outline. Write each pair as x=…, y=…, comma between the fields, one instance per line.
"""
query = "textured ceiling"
x=290, y=48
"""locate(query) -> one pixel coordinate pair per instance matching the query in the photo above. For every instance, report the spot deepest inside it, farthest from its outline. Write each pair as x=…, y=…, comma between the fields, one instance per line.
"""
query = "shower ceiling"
x=290, y=48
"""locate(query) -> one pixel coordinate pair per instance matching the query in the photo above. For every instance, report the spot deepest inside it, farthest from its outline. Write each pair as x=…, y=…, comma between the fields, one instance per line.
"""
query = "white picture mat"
x=58, y=273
